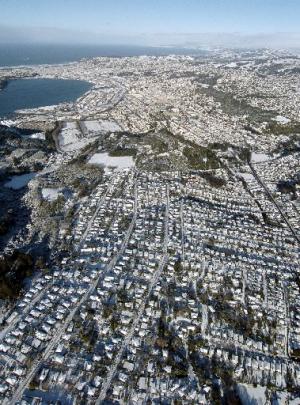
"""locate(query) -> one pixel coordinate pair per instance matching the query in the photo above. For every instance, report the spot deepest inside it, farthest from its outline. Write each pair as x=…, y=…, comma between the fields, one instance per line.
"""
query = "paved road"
x=99, y=206
x=229, y=344
x=113, y=102
x=137, y=317
x=57, y=337
x=31, y=305
x=91, y=221
x=182, y=232
x=24, y=312
x=284, y=217
x=128, y=338
x=287, y=319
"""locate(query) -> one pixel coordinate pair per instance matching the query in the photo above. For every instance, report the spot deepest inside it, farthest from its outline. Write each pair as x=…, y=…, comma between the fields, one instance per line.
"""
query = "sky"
x=160, y=21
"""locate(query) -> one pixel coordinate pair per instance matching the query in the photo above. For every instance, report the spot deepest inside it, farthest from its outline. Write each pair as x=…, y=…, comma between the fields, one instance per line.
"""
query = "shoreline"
x=149, y=50
x=36, y=65
x=3, y=83
x=20, y=110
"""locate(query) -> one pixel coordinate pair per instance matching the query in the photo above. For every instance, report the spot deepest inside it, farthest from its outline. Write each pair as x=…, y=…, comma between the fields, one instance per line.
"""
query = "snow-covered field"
x=51, y=194
x=251, y=395
x=100, y=126
x=74, y=136
x=122, y=162
x=231, y=65
x=282, y=120
x=247, y=176
x=259, y=157
x=70, y=138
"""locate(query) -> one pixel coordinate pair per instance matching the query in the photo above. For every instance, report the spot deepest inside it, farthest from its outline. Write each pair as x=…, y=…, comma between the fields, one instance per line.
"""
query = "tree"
x=178, y=266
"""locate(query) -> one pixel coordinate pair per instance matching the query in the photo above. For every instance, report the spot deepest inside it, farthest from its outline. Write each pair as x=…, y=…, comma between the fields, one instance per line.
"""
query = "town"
x=170, y=203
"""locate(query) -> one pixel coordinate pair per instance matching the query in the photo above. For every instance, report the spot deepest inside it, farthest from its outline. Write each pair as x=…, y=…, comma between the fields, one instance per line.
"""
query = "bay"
x=32, y=93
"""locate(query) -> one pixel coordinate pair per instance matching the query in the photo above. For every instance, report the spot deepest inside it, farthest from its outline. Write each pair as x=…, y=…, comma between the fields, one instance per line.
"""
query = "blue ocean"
x=32, y=93
x=28, y=54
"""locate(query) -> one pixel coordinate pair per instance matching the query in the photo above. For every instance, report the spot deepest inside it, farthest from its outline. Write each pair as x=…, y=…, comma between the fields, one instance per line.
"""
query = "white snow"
x=46, y=108
x=282, y=120
x=39, y=135
x=100, y=126
x=51, y=194
x=74, y=136
x=247, y=176
x=104, y=159
x=231, y=65
x=8, y=123
x=204, y=322
x=251, y=395
x=70, y=125
x=259, y=157
x=70, y=139
x=283, y=397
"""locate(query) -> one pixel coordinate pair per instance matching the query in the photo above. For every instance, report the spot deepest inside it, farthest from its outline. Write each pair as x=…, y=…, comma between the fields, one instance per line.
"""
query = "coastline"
x=36, y=65
x=63, y=90
x=68, y=55
x=3, y=83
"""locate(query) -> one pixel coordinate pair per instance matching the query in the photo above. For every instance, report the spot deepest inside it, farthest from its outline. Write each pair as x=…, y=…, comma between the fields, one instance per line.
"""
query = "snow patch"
x=122, y=162
x=247, y=176
x=251, y=395
x=231, y=65
x=51, y=194
x=282, y=120
x=8, y=123
x=100, y=126
x=39, y=135
x=75, y=136
x=259, y=157
x=70, y=138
